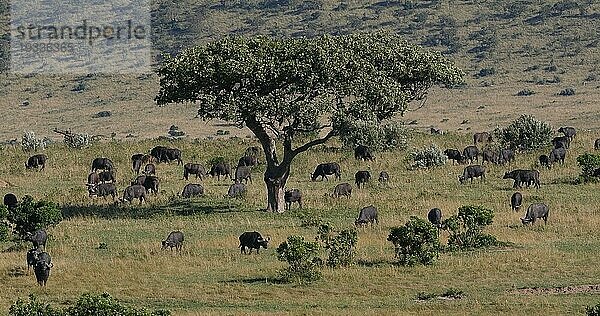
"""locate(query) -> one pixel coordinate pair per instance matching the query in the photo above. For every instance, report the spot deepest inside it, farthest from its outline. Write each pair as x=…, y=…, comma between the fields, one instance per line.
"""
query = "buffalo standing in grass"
x=192, y=190
x=528, y=177
x=134, y=192
x=38, y=238
x=103, y=190
x=291, y=196
x=367, y=215
x=193, y=168
x=10, y=201
x=220, y=169
x=516, y=200
x=248, y=161
x=136, y=162
x=150, y=169
x=106, y=176
x=506, y=156
x=597, y=144
x=175, y=239
x=36, y=161
x=471, y=153
x=557, y=155
x=363, y=153
x=237, y=190
x=470, y=172
x=102, y=163
x=384, y=177
x=362, y=177
x=545, y=161
x=535, y=211
x=454, y=155
x=568, y=131
x=243, y=173
x=42, y=268
x=252, y=240
x=325, y=169
x=483, y=137
x=32, y=256
x=151, y=183
x=561, y=142
x=344, y=189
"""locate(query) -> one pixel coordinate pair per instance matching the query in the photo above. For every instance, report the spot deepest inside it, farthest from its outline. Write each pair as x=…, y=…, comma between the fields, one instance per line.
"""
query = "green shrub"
x=466, y=228
x=588, y=164
x=4, y=231
x=302, y=259
x=378, y=137
x=428, y=157
x=29, y=216
x=525, y=133
x=416, y=242
x=593, y=310
x=525, y=92
x=86, y=305
x=567, y=92
x=341, y=246
x=31, y=143
x=33, y=307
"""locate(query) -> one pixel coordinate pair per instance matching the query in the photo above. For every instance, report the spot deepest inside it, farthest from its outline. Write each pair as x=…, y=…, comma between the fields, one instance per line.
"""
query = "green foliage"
x=302, y=259
x=215, y=160
x=466, y=228
x=416, y=242
x=428, y=157
x=4, y=231
x=525, y=133
x=33, y=307
x=86, y=305
x=341, y=246
x=593, y=310
x=31, y=143
x=30, y=215
x=377, y=136
x=308, y=217
x=588, y=164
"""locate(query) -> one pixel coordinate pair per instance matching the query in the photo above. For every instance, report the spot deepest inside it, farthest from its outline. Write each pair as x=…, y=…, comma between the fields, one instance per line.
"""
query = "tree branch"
x=315, y=142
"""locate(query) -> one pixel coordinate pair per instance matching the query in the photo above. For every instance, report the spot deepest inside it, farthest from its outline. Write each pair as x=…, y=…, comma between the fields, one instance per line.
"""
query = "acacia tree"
x=281, y=89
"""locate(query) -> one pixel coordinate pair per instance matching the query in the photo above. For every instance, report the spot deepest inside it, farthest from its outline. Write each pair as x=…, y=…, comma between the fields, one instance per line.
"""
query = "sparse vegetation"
x=525, y=92
x=567, y=92
x=429, y=157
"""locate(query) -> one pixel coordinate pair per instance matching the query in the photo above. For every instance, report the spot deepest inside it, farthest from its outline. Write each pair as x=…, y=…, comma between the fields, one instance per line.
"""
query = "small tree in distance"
x=416, y=242
x=525, y=133
x=283, y=90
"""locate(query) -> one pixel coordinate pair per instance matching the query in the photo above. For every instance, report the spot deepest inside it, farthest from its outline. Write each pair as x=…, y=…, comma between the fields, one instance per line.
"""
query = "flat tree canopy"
x=283, y=88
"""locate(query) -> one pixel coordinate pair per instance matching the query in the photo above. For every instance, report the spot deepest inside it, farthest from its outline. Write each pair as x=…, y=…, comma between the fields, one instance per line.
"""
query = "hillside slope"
x=505, y=47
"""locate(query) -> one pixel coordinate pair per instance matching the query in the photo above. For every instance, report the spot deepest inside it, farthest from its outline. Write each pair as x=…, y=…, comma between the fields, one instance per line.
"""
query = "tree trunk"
x=275, y=179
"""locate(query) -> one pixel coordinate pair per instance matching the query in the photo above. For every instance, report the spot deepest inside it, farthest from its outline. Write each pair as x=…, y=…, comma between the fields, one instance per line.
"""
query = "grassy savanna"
x=212, y=277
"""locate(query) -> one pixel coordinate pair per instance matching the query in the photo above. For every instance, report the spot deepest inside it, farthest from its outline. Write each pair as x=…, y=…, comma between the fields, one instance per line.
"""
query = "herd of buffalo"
x=101, y=183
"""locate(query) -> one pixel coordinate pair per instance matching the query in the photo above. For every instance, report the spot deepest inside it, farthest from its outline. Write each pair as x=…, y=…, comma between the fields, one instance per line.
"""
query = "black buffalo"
x=520, y=176
x=568, y=131
x=134, y=192
x=10, y=201
x=516, y=200
x=253, y=151
x=106, y=176
x=561, y=142
x=363, y=153
x=102, y=163
x=535, y=211
x=471, y=153
x=220, y=169
x=139, y=180
x=93, y=178
x=237, y=190
x=193, y=168
x=165, y=154
x=175, y=239
x=506, y=156
x=248, y=161
x=36, y=161
x=136, y=162
x=38, y=238
x=557, y=155
x=367, y=215
x=252, y=240
x=325, y=169
x=150, y=169
x=362, y=177
x=103, y=190
x=470, y=172
x=384, y=177
x=243, y=173
x=32, y=256
x=435, y=217
x=42, y=268
x=597, y=144
x=489, y=156
x=545, y=161
x=454, y=154
x=192, y=190
x=342, y=189
x=291, y=196
x=151, y=183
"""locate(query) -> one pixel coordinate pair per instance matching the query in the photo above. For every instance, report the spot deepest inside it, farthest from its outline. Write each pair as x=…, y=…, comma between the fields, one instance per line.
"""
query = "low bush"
x=378, y=137
x=31, y=143
x=466, y=229
x=525, y=92
x=588, y=163
x=416, y=242
x=567, y=92
x=302, y=258
x=30, y=216
x=428, y=157
x=340, y=246
x=525, y=133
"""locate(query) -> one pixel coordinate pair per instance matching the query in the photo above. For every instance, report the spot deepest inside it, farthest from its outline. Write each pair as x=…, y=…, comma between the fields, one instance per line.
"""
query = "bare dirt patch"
x=571, y=289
